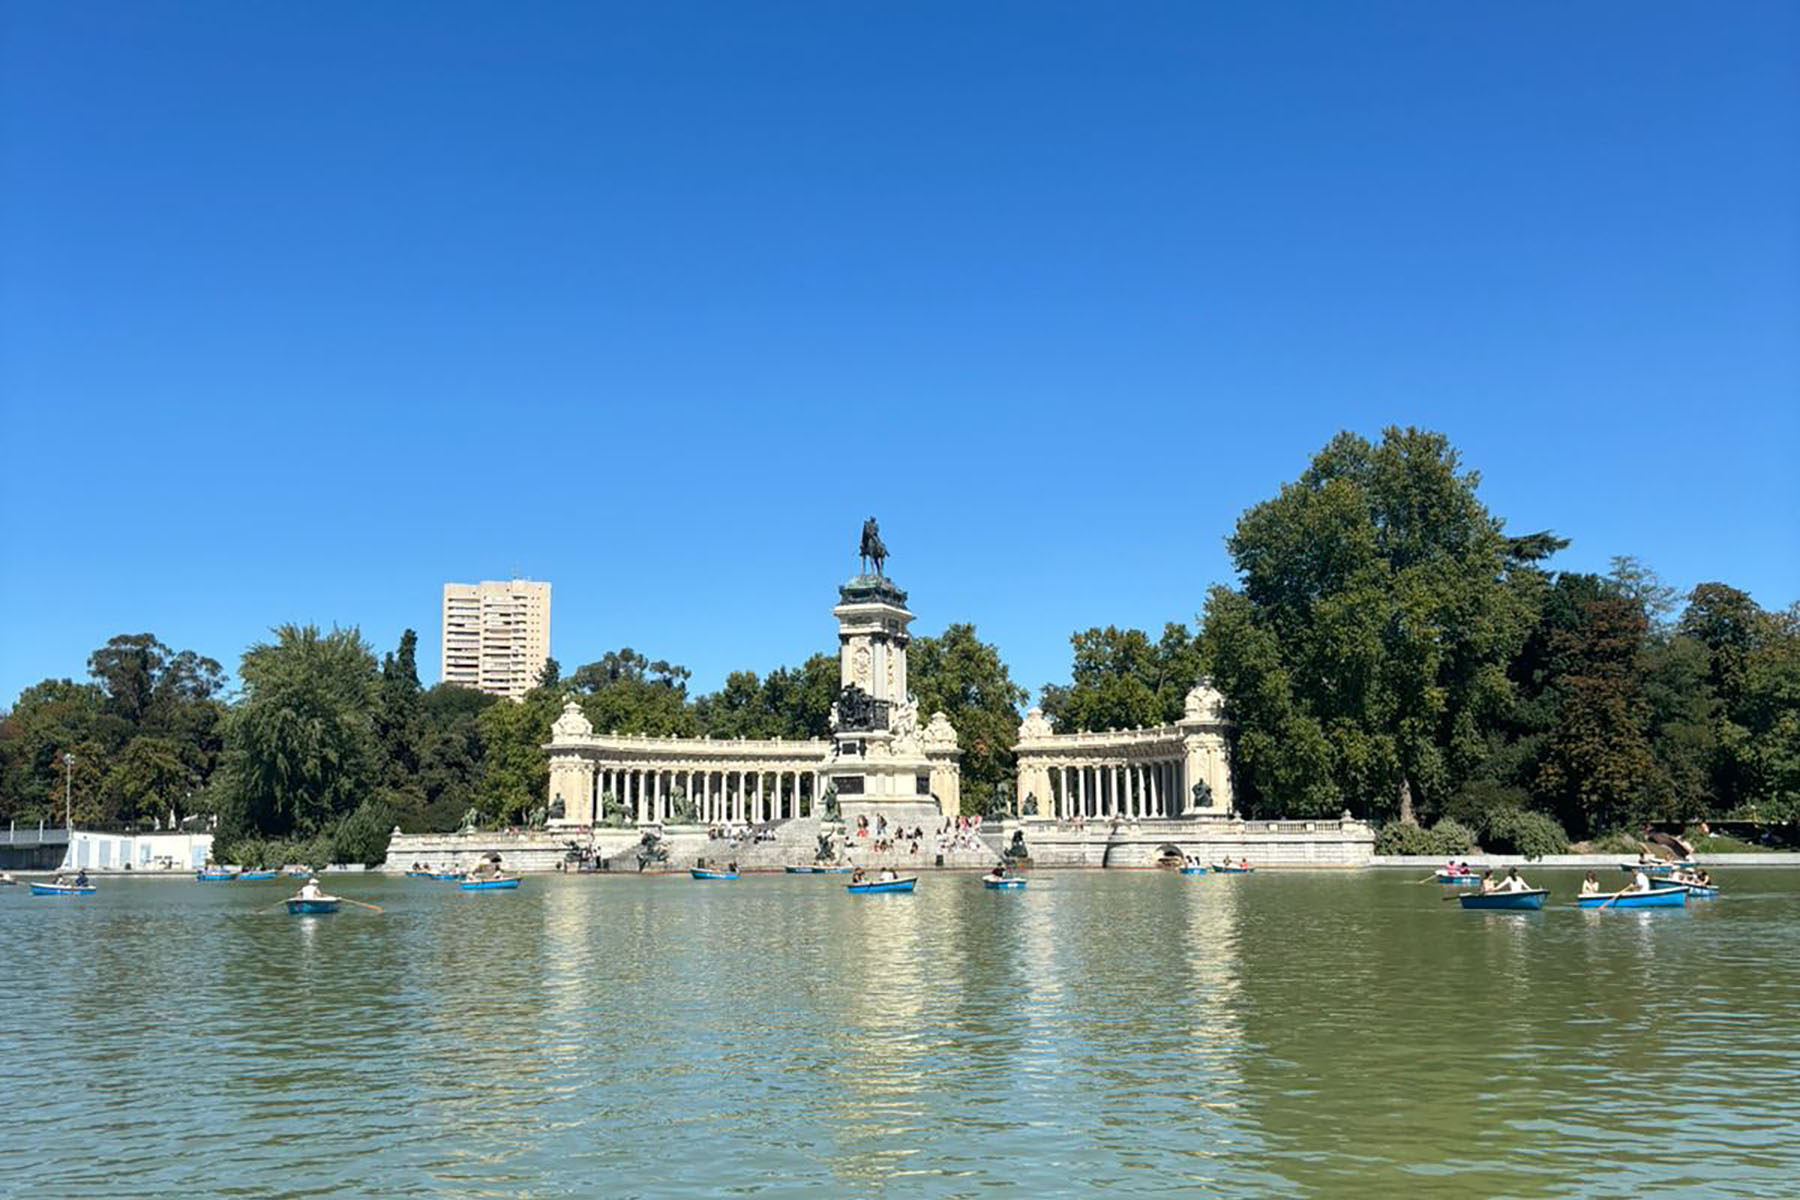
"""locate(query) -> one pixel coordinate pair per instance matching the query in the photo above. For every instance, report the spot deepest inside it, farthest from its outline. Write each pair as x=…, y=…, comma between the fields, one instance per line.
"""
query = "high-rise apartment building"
x=496, y=635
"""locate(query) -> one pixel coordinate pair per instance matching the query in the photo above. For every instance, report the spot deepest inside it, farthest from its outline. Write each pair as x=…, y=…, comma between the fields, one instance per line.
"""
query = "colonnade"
x=1129, y=790
x=719, y=796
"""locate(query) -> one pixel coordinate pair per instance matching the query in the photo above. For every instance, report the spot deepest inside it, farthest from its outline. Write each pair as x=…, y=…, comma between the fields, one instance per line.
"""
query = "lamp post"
x=69, y=793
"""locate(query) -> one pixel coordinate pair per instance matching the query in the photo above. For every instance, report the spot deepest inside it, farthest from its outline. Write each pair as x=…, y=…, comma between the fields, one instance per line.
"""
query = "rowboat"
x=258, y=874
x=1458, y=878
x=1228, y=869
x=1009, y=881
x=446, y=875
x=1667, y=897
x=307, y=908
x=62, y=889
x=887, y=885
x=703, y=873
x=418, y=874
x=834, y=870
x=802, y=870
x=1528, y=901
x=214, y=876
x=489, y=885
x=1697, y=891
x=1192, y=870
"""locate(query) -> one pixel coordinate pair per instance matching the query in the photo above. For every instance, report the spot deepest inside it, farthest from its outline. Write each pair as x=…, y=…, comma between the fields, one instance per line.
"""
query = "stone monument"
x=883, y=762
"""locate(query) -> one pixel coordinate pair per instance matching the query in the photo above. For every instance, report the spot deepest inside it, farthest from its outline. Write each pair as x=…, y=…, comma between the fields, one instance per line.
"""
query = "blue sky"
x=307, y=309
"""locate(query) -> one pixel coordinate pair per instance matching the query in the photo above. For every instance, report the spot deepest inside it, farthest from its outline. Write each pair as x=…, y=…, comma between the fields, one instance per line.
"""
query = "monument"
x=883, y=763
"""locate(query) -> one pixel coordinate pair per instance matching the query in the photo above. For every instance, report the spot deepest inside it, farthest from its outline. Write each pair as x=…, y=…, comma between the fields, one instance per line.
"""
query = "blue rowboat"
x=62, y=889
x=1011, y=881
x=835, y=870
x=803, y=870
x=214, y=876
x=1529, y=901
x=1656, y=870
x=308, y=908
x=418, y=874
x=258, y=874
x=447, y=875
x=1697, y=891
x=1669, y=897
x=703, y=873
x=1193, y=870
x=1464, y=879
x=1230, y=870
x=489, y=885
x=873, y=887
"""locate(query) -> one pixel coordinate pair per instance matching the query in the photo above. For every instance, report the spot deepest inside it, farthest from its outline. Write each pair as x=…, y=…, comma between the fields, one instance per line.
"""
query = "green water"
x=1139, y=1033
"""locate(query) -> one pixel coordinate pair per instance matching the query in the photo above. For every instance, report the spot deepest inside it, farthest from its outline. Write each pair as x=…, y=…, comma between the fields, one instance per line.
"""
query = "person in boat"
x=310, y=890
x=1640, y=882
x=1590, y=886
x=888, y=875
x=1512, y=882
x=1702, y=878
x=731, y=867
x=1487, y=881
x=81, y=879
x=999, y=871
x=857, y=876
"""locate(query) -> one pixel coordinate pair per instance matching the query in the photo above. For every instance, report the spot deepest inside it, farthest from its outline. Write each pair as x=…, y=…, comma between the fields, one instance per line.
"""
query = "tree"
x=515, y=775
x=965, y=678
x=1122, y=680
x=1365, y=653
x=1599, y=772
x=625, y=692
x=301, y=746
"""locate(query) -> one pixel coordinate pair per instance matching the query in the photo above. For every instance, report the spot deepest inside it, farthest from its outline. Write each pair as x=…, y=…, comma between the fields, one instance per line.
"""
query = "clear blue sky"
x=306, y=309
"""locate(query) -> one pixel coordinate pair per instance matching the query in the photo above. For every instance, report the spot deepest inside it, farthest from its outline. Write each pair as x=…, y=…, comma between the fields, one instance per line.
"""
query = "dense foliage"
x=1391, y=651
x=1388, y=649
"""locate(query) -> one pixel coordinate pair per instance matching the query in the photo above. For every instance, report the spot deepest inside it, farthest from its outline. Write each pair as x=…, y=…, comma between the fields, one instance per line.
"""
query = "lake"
x=1324, y=1034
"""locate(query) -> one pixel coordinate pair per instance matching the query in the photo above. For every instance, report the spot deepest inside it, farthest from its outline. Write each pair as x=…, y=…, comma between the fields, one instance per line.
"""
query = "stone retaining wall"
x=1141, y=843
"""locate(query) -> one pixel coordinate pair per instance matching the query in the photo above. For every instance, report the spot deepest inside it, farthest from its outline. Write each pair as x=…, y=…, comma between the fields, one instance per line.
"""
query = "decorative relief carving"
x=1205, y=703
x=572, y=724
x=1035, y=726
x=940, y=734
x=861, y=673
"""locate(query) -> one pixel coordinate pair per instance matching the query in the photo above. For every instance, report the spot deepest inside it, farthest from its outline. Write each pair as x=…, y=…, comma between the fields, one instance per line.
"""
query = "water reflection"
x=1341, y=1035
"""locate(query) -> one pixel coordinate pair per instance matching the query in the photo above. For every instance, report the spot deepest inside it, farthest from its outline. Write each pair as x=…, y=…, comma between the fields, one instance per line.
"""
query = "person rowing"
x=1512, y=882
x=888, y=875
x=857, y=876
x=1640, y=882
x=999, y=871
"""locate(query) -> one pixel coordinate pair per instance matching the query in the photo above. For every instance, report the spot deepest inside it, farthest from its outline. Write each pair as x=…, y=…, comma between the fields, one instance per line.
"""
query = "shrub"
x=1453, y=837
x=1476, y=802
x=1532, y=834
x=1615, y=842
x=1446, y=837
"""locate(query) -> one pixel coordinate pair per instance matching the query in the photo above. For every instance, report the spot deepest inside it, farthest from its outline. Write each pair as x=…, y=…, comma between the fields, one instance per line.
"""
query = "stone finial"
x=1205, y=703
x=1035, y=726
x=572, y=724
x=940, y=734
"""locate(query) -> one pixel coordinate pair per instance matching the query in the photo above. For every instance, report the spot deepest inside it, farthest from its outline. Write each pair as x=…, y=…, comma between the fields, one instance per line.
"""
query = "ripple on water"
x=1341, y=1035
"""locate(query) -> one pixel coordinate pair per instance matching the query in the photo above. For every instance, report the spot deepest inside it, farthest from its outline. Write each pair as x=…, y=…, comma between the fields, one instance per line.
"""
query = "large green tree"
x=301, y=745
x=1366, y=649
x=965, y=678
x=1120, y=679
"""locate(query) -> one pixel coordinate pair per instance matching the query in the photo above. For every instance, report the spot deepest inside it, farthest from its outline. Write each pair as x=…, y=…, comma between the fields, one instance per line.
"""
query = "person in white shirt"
x=1512, y=882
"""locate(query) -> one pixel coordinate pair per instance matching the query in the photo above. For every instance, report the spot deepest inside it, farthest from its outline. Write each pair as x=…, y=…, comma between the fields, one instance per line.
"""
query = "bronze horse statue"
x=872, y=549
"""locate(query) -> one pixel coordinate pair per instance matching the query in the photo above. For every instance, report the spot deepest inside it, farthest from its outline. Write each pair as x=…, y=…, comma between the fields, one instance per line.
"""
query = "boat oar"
x=360, y=904
x=274, y=906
